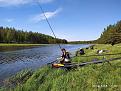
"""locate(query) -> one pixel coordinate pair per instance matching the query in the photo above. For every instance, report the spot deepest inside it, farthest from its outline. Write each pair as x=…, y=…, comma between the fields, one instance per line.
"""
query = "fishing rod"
x=39, y=5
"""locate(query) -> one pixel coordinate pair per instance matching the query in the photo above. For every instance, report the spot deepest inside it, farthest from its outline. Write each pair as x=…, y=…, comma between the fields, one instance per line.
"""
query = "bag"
x=66, y=60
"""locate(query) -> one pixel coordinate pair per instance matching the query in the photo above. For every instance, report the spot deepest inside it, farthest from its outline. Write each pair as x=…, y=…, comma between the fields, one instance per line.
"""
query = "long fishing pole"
x=39, y=4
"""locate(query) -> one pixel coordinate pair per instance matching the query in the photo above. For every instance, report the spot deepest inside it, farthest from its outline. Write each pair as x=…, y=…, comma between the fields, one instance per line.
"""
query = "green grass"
x=1, y=44
x=94, y=77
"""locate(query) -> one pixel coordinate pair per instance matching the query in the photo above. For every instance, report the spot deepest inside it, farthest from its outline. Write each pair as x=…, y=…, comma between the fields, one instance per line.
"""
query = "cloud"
x=13, y=2
x=40, y=17
x=45, y=1
x=4, y=3
x=9, y=20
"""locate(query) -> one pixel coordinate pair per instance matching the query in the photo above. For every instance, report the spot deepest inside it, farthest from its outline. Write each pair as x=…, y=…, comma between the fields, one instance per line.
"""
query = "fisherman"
x=65, y=56
x=81, y=51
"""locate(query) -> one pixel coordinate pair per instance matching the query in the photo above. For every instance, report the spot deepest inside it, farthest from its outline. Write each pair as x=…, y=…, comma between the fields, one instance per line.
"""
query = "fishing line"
x=39, y=4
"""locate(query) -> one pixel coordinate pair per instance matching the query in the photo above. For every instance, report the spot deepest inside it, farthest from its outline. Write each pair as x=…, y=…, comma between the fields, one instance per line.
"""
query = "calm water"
x=17, y=60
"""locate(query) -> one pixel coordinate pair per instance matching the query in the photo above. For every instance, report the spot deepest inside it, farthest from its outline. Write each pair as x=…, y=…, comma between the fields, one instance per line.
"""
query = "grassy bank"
x=94, y=77
x=2, y=45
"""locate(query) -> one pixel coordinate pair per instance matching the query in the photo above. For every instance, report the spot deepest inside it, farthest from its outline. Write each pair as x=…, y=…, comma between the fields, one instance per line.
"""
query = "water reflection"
x=13, y=48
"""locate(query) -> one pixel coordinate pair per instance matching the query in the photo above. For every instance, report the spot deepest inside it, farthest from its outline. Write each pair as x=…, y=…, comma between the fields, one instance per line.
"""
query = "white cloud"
x=4, y=3
x=45, y=1
x=40, y=17
x=13, y=2
x=9, y=20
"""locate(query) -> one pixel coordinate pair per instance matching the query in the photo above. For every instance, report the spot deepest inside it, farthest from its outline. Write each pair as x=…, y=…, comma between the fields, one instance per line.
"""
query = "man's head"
x=63, y=50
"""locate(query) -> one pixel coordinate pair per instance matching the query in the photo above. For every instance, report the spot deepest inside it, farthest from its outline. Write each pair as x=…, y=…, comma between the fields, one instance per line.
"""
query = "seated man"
x=81, y=51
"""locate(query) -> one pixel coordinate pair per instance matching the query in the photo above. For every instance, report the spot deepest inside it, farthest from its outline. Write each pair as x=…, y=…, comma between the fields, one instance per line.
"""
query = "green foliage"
x=11, y=35
x=111, y=34
x=19, y=78
x=18, y=45
x=83, y=42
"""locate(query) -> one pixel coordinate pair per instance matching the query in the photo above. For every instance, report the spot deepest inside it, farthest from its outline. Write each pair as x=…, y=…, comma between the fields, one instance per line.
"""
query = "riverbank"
x=101, y=77
x=2, y=45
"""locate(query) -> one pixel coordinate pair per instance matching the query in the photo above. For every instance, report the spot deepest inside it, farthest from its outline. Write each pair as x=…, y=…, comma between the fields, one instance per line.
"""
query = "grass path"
x=94, y=77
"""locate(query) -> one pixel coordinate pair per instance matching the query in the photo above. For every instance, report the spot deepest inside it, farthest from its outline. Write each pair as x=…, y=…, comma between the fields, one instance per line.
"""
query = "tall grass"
x=94, y=77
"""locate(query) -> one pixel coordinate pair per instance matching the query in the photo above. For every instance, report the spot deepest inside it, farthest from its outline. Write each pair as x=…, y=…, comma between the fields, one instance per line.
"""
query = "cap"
x=63, y=49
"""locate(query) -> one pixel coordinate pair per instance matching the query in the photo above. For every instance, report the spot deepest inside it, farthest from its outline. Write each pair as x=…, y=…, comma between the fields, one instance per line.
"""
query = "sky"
x=74, y=20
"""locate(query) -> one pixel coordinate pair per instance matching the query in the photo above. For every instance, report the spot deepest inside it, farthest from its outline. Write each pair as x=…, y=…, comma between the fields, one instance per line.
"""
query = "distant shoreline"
x=5, y=44
x=24, y=45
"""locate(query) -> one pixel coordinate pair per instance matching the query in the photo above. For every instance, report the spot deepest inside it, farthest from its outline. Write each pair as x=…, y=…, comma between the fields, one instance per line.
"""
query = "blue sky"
x=70, y=19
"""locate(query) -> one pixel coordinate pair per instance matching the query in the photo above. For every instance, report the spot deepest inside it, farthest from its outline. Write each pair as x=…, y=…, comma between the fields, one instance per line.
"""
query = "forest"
x=11, y=35
x=111, y=34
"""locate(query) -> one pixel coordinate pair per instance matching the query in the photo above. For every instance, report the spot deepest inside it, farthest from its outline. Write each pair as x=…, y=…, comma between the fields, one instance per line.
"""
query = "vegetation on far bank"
x=94, y=77
x=11, y=35
x=4, y=44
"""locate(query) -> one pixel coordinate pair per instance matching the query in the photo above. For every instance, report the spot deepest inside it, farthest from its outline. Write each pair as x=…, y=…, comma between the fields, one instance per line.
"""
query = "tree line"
x=111, y=34
x=81, y=42
x=11, y=35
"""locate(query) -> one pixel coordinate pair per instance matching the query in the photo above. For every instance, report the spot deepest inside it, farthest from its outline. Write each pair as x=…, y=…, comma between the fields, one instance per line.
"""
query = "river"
x=13, y=61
